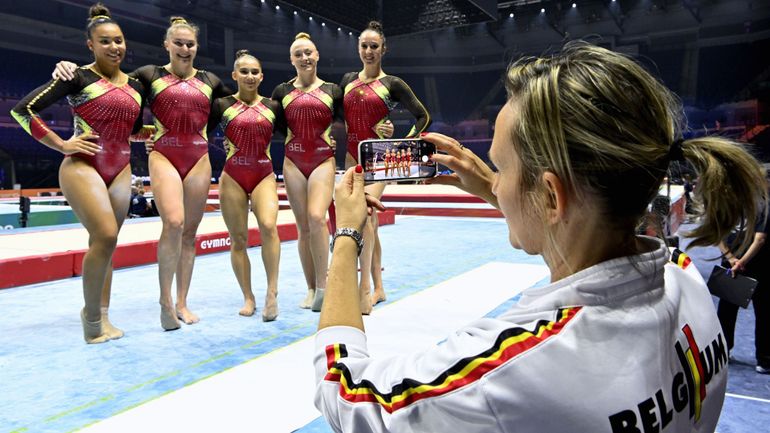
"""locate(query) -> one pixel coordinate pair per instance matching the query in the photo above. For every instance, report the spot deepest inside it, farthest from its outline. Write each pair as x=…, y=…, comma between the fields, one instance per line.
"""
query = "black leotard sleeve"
x=337, y=95
x=217, y=109
x=347, y=79
x=279, y=123
x=218, y=88
x=141, y=89
x=26, y=111
x=402, y=93
x=146, y=75
x=279, y=93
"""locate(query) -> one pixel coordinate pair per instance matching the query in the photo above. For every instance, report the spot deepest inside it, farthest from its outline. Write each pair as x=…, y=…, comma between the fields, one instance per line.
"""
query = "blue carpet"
x=52, y=382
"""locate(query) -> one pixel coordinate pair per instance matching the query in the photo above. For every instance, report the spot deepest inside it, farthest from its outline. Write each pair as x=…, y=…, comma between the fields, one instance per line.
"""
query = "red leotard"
x=365, y=106
x=368, y=104
x=100, y=108
x=309, y=116
x=248, y=130
x=111, y=116
x=180, y=110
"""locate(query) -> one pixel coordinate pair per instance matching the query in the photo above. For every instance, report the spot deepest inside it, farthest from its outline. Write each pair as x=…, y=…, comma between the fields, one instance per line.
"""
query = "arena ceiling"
x=439, y=36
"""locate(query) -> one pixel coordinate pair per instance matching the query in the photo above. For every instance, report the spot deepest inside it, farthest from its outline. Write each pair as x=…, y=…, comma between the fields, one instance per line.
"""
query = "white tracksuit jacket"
x=609, y=349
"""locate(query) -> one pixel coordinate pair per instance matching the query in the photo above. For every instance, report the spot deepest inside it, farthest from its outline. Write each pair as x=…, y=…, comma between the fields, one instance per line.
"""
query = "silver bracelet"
x=346, y=231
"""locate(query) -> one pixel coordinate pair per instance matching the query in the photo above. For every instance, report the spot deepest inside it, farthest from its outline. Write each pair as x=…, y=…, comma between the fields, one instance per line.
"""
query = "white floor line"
x=274, y=393
x=746, y=397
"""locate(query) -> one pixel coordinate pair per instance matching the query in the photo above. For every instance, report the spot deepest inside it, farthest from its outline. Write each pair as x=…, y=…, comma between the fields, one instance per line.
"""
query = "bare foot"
x=379, y=296
x=168, y=318
x=186, y=316
x=92, y=331
x=109, y=330
x=249, y=307
x=270, y=312
x=308, y=302
x=365, y=302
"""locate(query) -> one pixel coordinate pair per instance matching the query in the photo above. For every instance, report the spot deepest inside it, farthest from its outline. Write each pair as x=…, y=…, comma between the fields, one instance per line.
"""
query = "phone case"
x=736, y=290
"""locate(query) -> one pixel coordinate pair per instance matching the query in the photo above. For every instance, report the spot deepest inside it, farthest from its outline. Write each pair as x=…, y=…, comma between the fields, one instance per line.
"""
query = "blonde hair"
x=180, y=23
x=606, y=128
x=302, y=36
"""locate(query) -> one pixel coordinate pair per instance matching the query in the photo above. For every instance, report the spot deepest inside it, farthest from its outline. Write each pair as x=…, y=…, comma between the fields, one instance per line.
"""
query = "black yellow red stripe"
x=696, y=367
x=509, y=344
x=680, y=259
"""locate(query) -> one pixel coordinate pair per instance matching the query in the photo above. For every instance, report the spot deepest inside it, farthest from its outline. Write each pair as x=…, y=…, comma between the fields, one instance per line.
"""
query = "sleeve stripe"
x=509, y=344
x=36, y=126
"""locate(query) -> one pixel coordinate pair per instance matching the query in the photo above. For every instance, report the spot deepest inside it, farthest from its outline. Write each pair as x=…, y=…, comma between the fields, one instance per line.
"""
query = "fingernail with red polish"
x=423, y=134
x=359, y=169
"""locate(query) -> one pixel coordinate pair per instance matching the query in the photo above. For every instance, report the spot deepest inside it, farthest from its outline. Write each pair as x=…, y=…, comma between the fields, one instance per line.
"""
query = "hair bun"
x=98, y=11
x=241, y=53
x=375, y=25
x=302, y=35
x=177, y=20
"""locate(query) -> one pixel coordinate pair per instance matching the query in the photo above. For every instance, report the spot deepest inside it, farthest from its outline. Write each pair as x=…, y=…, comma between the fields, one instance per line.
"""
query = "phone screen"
x=401, y=159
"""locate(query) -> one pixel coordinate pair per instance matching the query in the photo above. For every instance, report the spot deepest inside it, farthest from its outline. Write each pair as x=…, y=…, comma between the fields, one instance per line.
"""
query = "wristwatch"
x=353, y=233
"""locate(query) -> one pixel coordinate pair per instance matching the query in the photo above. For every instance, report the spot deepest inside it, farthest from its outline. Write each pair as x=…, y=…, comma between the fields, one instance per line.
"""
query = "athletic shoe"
x=762, y=370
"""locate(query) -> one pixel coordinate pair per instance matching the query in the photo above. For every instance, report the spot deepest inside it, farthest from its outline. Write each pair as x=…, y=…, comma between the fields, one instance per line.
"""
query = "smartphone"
x=397, y=159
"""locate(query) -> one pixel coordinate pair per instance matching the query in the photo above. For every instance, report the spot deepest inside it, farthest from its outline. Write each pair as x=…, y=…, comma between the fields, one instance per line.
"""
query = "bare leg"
x=376, y=190
x=319, y=196
x=264, y=202
x=196, y=192
x=235, y=211
x=109, y=329
x=365, y=259
x=120, y=205
x=379, y=291
x=167, y=190
x=296, y=190
x=90, y=201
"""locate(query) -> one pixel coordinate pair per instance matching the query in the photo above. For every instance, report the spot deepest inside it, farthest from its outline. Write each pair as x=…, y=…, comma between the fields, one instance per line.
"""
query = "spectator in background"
x=755, y=263
x=139, y=206
x=689, y=187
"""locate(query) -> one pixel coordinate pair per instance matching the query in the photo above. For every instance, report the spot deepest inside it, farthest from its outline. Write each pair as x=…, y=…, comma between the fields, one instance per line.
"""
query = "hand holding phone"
x=469, y=172
x=397, y=159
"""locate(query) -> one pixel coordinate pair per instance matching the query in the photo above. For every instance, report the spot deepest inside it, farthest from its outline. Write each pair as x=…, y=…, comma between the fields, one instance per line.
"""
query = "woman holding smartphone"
x=95, y=175
x=370, y=95
x=581, y=147
x=310, y=106
x=247, y=120
x=180, y=100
